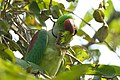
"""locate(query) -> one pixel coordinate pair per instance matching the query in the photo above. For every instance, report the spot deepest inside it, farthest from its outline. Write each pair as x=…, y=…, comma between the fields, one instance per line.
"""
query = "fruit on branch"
x=98, y=15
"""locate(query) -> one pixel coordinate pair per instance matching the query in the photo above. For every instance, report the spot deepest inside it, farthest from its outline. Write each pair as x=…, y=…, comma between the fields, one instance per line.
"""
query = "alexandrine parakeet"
x=47, y=48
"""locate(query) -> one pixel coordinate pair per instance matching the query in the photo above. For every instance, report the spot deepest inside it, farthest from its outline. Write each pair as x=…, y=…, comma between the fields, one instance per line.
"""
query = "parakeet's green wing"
x=37, y=51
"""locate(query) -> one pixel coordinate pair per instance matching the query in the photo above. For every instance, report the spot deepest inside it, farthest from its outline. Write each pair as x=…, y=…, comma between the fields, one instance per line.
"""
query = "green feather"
x=35, y=55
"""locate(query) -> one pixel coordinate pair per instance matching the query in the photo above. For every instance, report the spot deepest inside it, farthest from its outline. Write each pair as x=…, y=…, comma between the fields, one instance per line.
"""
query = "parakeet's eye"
x=69, y=25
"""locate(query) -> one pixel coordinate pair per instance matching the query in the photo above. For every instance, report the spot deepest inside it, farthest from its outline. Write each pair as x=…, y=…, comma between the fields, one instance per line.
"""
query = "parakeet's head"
x=64, y=23
x=64, y=29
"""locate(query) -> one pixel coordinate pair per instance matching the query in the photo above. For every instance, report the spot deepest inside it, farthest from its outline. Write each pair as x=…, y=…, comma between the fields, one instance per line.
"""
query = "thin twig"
x=10, y=40
x=111, y=48
x=74, y=58
x=20, y=35
x=71, y=61
x=46, y=76
x=4, y=9
x=26, y=33
x=5, y=41
x=17, y=24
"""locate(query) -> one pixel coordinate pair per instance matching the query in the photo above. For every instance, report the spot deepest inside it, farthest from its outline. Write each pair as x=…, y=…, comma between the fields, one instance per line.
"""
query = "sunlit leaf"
x=73, y=74
x=61, y=6
x=45, y=4
x=90, y=69
x=11, y=71
x=55, y=12
x=81, y=54
x=109, y=8
x=10, y=54
x=114, y=40
x=88, y=17
x=115, y=26
x=73, y=5
x=31, y=22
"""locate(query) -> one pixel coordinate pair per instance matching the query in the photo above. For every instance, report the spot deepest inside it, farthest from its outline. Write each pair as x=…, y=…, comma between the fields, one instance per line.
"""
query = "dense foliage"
x=25, y=17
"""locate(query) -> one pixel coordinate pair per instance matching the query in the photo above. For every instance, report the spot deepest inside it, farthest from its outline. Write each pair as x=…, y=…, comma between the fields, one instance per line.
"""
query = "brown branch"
x=17, y=24
x=19, y=34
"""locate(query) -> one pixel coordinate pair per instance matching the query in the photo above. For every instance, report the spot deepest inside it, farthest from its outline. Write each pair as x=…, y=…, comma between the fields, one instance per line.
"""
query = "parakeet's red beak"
x=70, y=26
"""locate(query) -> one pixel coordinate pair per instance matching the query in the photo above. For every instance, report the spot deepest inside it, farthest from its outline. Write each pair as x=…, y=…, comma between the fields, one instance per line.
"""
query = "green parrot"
x=47, y=48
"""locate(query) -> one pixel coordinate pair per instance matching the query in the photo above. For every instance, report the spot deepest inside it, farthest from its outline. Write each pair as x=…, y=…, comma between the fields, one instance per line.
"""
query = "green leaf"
x=73, y=5
x=55, y=11
x=41, y=21
x=31, y=22
x=80, y=53
x=81, y=33
x=12, y=71
x=10, y=54
x=101, y=34
x=76, y=71
x=114, y=26
x=2, y=46
x=94, y=55
x=34, y=7
x=88, y=17
x=13, y=45
x=22, y=63
x=45, y=4
x=25, y=65
x=4, y=27
x=73, y=74
x=61, y=6
x=109, y=8
x=45, y=14
x=6, y=53
x=106, y=70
